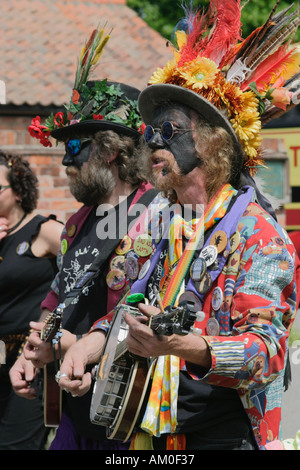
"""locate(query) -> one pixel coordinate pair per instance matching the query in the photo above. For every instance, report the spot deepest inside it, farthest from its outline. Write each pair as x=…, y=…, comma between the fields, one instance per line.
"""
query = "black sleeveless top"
x=24, y=279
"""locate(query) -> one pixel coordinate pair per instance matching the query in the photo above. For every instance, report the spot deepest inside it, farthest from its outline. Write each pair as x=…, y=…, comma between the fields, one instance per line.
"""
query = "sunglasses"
x=167, y=131
x=74, y=146
x=4, y=186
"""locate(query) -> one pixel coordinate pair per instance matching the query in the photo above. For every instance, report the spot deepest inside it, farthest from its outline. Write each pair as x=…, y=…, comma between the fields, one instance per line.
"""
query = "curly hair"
x=132, y=156
x=219, y=158
x=22, y=180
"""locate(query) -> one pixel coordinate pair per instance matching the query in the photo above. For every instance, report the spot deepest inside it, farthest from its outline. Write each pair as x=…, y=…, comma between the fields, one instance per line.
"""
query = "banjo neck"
x=121, y=349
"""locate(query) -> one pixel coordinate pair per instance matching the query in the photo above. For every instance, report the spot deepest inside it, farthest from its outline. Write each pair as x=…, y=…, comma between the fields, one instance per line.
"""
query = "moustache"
x=72, y=171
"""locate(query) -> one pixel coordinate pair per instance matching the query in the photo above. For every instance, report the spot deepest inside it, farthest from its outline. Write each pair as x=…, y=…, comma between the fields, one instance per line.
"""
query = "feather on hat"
x=94, y=105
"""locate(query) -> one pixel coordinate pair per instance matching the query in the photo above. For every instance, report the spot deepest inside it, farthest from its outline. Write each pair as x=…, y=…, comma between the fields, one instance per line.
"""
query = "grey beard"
x=92, y=184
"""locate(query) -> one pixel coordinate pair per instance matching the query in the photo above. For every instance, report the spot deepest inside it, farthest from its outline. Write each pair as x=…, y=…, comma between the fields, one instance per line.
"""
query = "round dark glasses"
x=167, y=131
x=75, y=145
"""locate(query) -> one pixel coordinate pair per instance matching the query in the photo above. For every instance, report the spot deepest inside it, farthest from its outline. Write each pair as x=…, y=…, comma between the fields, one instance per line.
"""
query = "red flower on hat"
x=141, y=129
x=46, y=142
x=59, y=119
x=39, y=132
x=98, y=117
x=75, y=97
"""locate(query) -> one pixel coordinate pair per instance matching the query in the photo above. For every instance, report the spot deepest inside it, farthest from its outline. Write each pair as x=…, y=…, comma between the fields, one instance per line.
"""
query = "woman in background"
x=29, y=244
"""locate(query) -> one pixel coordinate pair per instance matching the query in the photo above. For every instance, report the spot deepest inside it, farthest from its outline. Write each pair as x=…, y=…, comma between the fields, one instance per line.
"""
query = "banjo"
x=121, y=379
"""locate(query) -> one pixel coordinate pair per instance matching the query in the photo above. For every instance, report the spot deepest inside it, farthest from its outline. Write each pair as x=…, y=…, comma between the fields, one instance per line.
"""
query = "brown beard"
x=172, y=175
x=91, y=183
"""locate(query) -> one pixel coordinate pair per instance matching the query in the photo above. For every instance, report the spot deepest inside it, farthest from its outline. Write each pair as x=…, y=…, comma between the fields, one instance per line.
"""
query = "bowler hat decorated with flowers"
x=236, y=84
x=94, y=106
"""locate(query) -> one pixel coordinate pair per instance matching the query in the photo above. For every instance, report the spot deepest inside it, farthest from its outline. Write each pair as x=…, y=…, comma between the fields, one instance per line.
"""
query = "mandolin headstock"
x=52, y=325
x=174, y=321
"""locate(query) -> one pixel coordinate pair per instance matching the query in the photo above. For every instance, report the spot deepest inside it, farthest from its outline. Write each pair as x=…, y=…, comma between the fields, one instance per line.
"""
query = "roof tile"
x=42, y=39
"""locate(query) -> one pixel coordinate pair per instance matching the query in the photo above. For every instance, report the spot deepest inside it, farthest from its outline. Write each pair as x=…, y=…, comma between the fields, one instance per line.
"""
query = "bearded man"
x=219, y=386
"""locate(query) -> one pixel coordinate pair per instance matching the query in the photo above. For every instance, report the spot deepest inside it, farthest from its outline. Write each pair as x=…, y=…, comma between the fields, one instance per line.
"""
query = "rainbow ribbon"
x=214, y=210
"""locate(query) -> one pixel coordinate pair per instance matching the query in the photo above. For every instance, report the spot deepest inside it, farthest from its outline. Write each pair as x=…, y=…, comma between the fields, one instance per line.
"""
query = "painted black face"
x=78, y=151
x=182, y=144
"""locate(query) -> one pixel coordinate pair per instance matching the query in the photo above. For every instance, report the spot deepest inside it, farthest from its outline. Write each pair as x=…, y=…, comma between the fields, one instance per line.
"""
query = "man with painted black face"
x=106, y=168
x=220, y=386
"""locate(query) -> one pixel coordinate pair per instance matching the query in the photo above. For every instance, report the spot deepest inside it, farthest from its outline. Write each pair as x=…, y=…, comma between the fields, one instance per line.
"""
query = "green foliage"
x=163, y=15
x=49, y=122
x=101, y=99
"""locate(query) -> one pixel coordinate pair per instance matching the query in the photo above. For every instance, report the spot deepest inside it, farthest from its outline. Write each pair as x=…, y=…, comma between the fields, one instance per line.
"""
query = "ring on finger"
x=59, y=375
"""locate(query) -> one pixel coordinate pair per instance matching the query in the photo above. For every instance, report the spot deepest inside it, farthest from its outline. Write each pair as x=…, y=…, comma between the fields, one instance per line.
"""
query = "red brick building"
x=40, y=43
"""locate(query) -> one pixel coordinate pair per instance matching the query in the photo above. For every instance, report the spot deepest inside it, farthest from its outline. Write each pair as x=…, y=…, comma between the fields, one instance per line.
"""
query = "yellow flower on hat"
x=247, y=125
x=163, y=75
x=199, y=73
x=248, y=117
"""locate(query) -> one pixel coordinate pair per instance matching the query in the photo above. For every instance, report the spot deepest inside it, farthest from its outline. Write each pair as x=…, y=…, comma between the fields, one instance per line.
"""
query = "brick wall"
x=55, y=197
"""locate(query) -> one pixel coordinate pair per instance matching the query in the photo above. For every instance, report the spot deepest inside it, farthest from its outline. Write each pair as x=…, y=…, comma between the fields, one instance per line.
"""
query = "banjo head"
x=112, y=372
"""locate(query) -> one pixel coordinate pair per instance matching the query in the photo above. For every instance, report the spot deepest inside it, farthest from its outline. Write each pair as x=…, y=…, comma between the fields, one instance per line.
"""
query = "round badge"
x=115, y=279
x=132, y=254
x=144, y=269
x=22, y=248
x=72, y=230
x=198, y=269
x=219, y=240
x=191, y=299
x=143, y=245
x=205, y=284
x=234, y=242
x=132, y=267
x=118, y=262
x=212, y=327
x=209, y=253
x=64, y=246
x=217, y=298
x=214, y=266
x=124, y=246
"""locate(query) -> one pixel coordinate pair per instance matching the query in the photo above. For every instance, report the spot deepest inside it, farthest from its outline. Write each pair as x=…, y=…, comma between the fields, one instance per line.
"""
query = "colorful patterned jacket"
x=258, y=305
